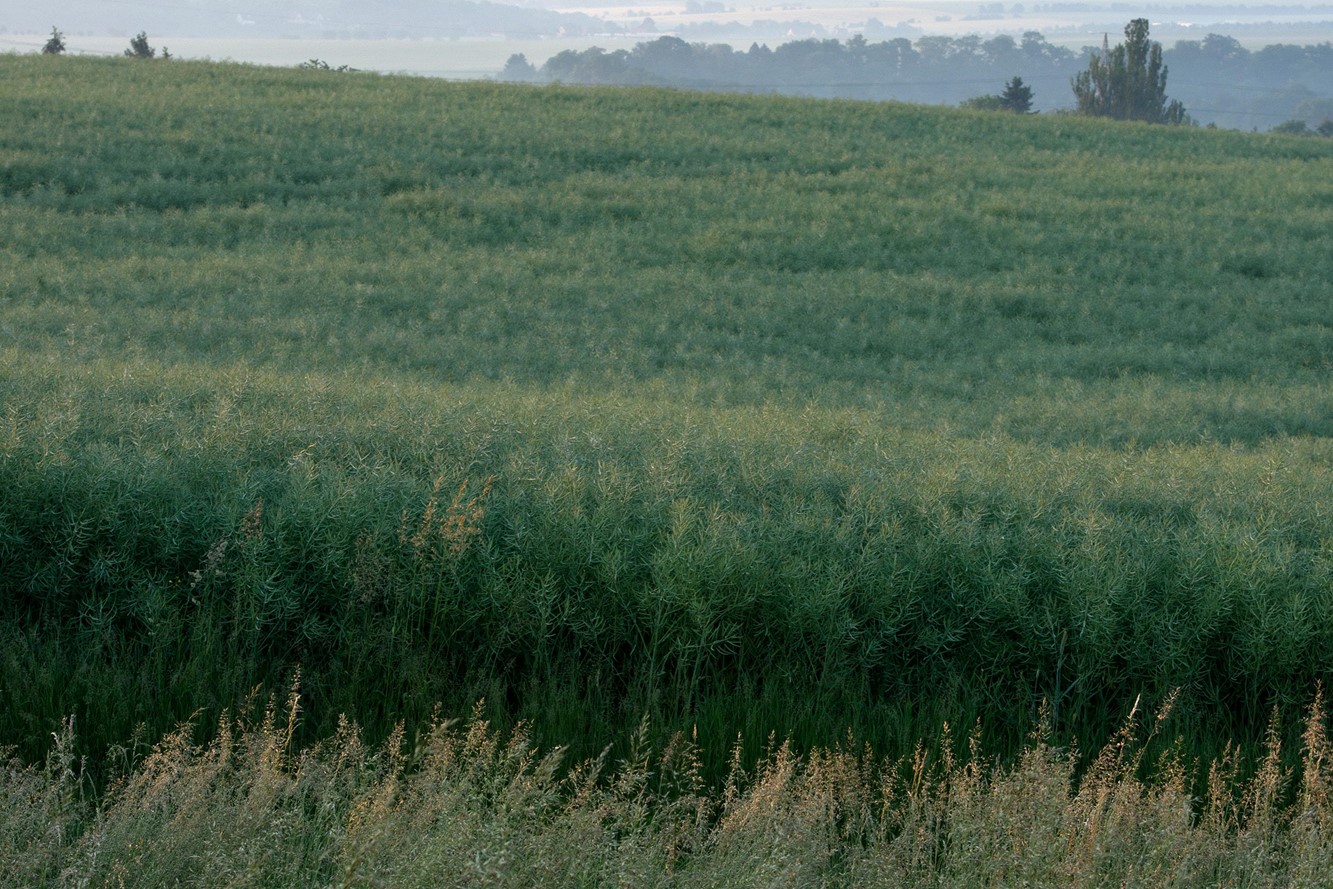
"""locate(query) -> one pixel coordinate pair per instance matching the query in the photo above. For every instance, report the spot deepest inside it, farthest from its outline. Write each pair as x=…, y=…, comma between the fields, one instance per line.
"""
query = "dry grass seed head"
x=462, y=521
x=212, y=563
x=455, y=530
x=252, y=525
x=1316, y=763
x=1262, y=799
x=1221, y=813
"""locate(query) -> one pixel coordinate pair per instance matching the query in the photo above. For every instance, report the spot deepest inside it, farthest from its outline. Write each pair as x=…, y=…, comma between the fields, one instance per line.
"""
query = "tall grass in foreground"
x=464, y=805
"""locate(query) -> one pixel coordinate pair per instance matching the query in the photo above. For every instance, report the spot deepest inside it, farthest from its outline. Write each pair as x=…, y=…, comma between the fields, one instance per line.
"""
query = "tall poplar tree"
x=1128, y=82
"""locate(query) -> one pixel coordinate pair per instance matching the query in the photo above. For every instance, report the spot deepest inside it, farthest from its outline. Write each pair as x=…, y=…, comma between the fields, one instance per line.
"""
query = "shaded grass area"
x=746, y=414
x=464, y=804
x=582, y=561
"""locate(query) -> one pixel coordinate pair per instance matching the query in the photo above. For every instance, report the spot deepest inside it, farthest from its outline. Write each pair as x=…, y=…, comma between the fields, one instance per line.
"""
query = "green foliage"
x=984, y=103
x=1128, y=82
x=321, y=65
x=803, y=417
x=55, y=44
x=1293, y=128
x=139, y=48
x=1017, y=96
x=518, y=69
x=1299, y=127
x=1249, y=89
x=931, y=69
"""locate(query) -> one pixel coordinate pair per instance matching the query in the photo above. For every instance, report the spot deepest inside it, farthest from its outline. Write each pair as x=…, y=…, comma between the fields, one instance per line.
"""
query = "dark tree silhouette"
x=55, y=44
x=1017, y=97
x=1293, y=128
x=139, y=48
x=518, y=69
x=1128, y=82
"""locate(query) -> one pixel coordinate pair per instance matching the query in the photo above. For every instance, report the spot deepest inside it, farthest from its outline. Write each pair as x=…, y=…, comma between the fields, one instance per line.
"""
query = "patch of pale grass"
x=466, y=805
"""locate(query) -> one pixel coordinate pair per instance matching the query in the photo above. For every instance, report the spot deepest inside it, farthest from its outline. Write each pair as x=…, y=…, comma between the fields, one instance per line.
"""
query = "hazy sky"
x=263, y=31
x=295, y=17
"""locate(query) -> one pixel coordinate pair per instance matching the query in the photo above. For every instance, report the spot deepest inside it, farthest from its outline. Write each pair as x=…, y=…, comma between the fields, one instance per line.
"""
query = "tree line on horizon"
x=139, y=47
x=1216, y=79
x=1285, y=88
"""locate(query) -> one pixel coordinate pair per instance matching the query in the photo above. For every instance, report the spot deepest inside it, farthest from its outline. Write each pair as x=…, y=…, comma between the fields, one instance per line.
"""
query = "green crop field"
x=722, y=415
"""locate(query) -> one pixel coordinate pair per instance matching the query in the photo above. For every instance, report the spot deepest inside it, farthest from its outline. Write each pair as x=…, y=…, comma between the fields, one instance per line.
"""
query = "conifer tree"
x=139, y=48
x=55, y=44
x=1017, y=97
